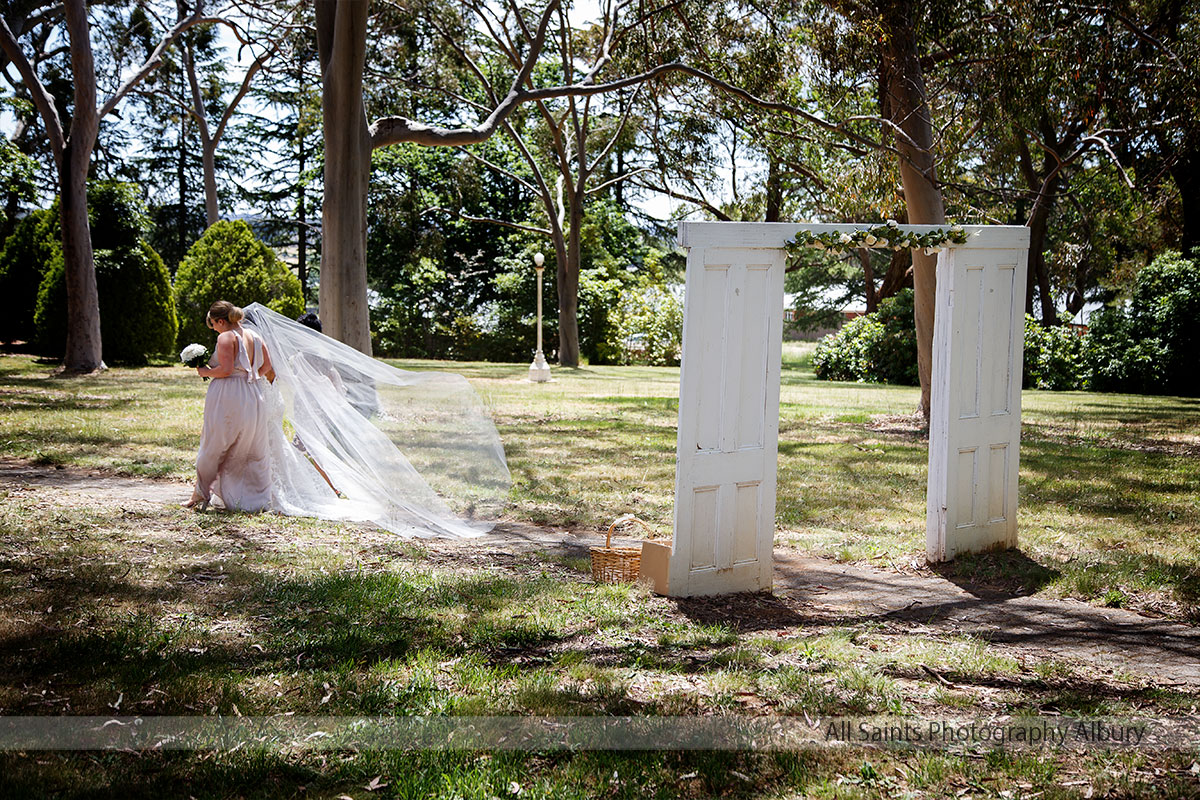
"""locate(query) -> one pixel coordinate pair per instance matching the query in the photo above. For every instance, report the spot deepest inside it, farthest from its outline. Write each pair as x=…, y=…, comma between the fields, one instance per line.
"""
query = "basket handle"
x=621, y=521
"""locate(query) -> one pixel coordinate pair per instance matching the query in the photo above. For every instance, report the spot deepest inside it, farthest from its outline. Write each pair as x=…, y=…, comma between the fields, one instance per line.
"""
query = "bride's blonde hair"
x=223, y=309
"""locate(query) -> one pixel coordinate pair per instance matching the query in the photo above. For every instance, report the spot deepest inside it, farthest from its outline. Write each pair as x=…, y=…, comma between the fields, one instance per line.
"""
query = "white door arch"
x=727, y=446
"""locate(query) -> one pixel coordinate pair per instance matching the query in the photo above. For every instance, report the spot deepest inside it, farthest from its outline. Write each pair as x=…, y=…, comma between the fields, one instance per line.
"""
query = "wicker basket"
x=617, y=564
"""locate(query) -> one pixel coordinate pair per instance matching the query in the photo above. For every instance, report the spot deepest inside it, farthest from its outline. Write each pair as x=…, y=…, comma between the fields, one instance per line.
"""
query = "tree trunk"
x=864, y=259
x=774, y=204
x=181, y=220
x=301, y=199
x=1038, y=272
x=208, y=146
x=212, y=212
x=302, y=230
x=568, y=286
x=84, y=352
x=1184, y=169
x=341, y=43
x=907, y=108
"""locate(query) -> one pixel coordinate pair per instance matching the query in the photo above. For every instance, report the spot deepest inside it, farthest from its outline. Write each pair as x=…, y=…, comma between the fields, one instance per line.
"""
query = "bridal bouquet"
x=194, y=355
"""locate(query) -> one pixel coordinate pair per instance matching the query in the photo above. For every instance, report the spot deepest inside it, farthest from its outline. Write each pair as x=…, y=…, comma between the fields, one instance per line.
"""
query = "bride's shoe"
x=198, y=502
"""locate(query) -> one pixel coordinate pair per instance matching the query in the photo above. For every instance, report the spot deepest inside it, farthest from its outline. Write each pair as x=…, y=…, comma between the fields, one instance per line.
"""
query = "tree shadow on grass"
x=742, y=612
x=997, y=575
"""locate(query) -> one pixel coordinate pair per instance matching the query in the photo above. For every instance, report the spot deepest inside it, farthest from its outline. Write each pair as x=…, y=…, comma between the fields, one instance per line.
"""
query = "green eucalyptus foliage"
x=137, y=314
x=16, y=177
x=230, y=263
x=27, y=255
x=1150, y=346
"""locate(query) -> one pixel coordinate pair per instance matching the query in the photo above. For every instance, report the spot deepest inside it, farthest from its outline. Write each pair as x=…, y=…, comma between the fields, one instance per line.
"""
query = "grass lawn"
x=111, y=608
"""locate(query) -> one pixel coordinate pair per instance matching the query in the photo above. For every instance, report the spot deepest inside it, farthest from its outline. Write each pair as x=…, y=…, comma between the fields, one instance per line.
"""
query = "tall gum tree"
x=72, y=145
x=349, y=138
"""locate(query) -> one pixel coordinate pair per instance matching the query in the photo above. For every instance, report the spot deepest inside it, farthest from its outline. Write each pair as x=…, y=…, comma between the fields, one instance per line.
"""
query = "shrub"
x=880, y=347
x=649, y=327
x=137, y=315
x=846, y=354
x=894, y=359
x=27, y=255
x=1053, y=357
x=1151, y=346
x=1116, y=361
x=229, y=263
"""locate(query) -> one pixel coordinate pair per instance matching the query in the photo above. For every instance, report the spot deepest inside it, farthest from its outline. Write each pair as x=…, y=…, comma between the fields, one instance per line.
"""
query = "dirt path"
x=1108, y=639
x=807, y=589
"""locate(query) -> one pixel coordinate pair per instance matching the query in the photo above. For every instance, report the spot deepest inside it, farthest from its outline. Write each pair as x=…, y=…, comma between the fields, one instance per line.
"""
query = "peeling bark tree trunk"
x=83, y=353
x=341, y=43
x=907, y=108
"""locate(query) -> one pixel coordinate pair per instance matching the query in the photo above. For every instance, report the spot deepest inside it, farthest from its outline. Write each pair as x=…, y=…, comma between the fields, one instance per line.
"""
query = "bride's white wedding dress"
x=415, y=453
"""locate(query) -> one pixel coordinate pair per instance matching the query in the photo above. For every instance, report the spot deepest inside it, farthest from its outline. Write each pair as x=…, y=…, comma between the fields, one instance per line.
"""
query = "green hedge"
x=880, y=347
x=230, y=263
x=137, y=314
x=28, y=253
x=1053, y=357
x=1150, y=345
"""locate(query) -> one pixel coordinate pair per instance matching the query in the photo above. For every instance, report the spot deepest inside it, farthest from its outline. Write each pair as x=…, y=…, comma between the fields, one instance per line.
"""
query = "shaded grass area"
x=117, y=608
x=482, y=776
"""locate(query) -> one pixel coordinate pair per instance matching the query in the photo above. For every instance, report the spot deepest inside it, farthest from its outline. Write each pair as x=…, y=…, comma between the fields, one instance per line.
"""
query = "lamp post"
x=539, y=370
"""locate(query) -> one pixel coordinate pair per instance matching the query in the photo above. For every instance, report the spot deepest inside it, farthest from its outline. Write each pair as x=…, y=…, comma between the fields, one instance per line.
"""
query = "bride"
x=413, y=452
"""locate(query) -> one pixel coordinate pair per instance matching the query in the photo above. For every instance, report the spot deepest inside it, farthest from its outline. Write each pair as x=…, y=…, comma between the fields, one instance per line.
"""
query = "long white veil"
x=414, y=452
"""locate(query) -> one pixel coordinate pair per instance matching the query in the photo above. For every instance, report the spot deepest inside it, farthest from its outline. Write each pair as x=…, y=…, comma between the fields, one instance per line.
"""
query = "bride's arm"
x=267, y=370
x=226, y=352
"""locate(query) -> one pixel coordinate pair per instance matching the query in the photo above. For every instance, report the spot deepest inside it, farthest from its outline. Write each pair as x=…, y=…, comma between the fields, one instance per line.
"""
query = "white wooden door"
x=975, y=424
x=728, y=419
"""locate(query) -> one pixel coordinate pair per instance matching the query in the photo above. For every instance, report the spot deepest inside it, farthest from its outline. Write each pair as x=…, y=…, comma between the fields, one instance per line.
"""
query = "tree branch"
x=245, y=88
x=499, y=169
x=37, y=91
x=618, y=179
x=393, y=130
x=152, y=63
x=492, y=220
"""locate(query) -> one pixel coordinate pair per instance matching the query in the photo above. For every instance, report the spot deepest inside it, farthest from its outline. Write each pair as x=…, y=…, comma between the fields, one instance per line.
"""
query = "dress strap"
x=242, y=360
x=256, y=363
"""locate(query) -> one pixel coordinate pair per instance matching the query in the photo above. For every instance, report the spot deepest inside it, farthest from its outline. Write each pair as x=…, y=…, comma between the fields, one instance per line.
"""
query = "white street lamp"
x=539, y=370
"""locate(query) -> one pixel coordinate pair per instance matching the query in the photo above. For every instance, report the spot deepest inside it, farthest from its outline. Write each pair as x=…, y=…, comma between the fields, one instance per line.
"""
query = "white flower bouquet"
x=194, y=355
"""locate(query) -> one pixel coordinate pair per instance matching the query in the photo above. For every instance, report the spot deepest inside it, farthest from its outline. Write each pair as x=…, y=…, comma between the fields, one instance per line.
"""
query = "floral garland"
x=886, y=236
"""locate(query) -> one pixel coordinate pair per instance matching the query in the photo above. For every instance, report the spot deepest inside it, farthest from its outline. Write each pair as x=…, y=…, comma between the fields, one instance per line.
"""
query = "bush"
x=1150, y=347
x=229, y=263
x=894, y=359
x=137, y=315
x=880, y=347
x=846, y=355
x=1116, y=361
x=1054, y=357
x=649, y=327
x=27, y=255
